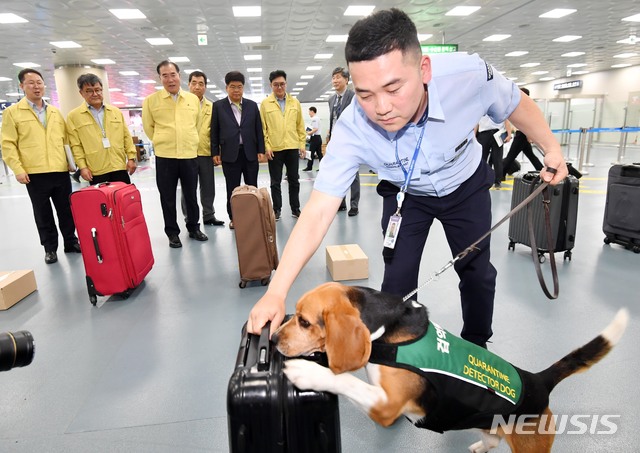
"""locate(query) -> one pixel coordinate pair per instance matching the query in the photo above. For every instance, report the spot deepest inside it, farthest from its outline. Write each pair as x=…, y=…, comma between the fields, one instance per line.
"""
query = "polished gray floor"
x=149, y=374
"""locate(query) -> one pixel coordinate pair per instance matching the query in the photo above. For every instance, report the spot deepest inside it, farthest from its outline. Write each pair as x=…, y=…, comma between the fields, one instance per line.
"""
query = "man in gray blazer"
x=236, y=136
x=337, y=103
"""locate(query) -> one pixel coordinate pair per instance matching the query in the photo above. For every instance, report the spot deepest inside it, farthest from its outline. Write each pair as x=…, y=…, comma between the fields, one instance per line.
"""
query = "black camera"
x=16, y=349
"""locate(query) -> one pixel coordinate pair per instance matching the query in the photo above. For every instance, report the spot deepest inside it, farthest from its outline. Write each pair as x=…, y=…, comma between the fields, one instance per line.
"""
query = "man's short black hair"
x=26, y=71
x=313, y=109
x=234, y=76
x=277, y=73
x=198, y=74
x=342, y=71
x=167, y=63
x=380, y=33
x=525, y=91
x=88, y=79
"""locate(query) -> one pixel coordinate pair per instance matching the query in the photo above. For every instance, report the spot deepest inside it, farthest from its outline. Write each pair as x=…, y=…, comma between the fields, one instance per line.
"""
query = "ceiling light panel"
x=323, y=56
x=128, y=14
x=517, y=53
x=252, y=57
x=359, y=10
x=250, y=39
x=179, y=59
x=462, y=11
x=247, y=11
x=103, y=61
x=159, y=41
x=572, y=54
x=626, y=55
x=10, y=18
x=557, y=13
x=27, y=64
x=497, y=37
x=567, y=38
x=634, y=18
x=65, y=44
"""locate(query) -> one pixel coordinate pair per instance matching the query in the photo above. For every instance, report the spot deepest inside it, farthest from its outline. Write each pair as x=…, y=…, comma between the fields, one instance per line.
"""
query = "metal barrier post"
x=581, y=145
x=622, y=147
x=589, y=145
x=568, y=158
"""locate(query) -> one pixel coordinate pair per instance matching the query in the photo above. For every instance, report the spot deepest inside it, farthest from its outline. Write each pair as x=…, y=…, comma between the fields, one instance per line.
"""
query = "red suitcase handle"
x=96, y=246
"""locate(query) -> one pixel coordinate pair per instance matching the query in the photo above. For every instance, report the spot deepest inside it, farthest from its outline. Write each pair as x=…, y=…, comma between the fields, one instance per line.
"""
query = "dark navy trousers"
x=465, y=215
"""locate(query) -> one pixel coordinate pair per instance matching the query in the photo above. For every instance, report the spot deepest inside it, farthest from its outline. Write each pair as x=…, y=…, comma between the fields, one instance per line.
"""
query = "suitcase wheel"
x=265, y=281
x=93, y=299
x=512, y=245
x=636, y=249
x=541, y=257
x=607, y=240
x=567, y=255
x=242, y=284
x=125, y=294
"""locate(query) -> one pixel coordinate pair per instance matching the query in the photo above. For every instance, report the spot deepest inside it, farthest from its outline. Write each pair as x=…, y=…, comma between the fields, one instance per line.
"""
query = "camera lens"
x=16, y=349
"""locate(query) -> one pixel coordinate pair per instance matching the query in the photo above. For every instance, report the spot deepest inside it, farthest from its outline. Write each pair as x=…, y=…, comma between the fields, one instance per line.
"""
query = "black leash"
x=542, y=188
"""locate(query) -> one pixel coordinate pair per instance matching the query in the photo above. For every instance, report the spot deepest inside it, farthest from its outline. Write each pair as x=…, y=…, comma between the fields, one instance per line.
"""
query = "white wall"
x=615, y=85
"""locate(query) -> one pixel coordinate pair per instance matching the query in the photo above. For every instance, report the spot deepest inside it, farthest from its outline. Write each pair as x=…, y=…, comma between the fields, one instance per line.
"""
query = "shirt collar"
x=233, y=103
x=92, y=108
x=34, y=106
x=434, y=106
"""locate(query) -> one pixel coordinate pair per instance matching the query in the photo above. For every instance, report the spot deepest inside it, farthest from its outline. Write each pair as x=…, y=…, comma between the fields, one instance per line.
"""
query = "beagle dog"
x=358, y=326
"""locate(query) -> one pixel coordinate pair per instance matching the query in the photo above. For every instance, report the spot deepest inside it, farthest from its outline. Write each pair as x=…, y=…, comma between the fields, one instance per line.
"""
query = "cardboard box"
x=15, y=286
x=347, y=262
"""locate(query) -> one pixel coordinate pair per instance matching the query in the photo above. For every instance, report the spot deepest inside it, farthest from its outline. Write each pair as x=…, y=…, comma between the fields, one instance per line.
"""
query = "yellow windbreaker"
x=282, y=130
x=27, y=147
x=172, y=126
x=204, y=128
x=85, y=139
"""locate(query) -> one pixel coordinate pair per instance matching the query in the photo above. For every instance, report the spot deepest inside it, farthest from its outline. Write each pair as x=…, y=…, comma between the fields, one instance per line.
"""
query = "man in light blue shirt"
x=414, y=123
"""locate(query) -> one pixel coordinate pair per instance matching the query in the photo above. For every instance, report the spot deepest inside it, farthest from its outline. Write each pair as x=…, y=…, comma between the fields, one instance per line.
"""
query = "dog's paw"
x=478, y=447
x=308, y=375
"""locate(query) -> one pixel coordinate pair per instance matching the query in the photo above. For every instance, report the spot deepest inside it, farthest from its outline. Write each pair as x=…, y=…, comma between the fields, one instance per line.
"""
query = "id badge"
x=393, y=229
x=105, y=142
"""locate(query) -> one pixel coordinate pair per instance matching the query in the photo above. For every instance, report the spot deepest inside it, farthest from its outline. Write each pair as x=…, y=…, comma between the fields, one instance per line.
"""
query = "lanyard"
x=407, y=173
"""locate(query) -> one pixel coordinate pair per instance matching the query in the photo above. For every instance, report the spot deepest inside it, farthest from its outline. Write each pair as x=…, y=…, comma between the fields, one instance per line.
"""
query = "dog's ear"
x=347, y=343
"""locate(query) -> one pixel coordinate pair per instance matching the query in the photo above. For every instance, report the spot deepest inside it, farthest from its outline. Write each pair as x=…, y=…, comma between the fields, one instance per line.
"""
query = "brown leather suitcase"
x=255, y=227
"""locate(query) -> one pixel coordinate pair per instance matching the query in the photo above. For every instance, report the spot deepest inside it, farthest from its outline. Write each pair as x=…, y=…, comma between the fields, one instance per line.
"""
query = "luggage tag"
x=105, y=142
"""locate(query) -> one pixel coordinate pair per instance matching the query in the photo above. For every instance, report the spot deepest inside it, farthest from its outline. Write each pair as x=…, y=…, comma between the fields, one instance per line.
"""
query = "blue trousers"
x=465, y=215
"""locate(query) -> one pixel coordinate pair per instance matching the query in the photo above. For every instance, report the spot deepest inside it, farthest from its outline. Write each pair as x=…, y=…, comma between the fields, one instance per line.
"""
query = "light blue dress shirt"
x=462, y=89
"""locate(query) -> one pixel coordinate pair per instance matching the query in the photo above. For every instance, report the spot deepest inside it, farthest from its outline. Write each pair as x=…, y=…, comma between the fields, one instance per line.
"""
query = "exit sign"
x=438, y=48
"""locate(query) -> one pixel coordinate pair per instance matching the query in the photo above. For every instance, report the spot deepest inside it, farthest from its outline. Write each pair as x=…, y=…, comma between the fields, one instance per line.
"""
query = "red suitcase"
x=113, y=235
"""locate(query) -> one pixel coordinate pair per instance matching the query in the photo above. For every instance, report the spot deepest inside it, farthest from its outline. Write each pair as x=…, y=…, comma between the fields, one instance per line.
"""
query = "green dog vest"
x=472, y=383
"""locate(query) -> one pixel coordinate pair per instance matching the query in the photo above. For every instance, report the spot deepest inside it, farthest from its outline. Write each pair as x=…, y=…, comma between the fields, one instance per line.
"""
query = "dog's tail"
x=591, y=353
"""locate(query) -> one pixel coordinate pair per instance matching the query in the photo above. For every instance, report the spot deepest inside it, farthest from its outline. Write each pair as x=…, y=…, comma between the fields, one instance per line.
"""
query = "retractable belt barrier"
x=585, y=142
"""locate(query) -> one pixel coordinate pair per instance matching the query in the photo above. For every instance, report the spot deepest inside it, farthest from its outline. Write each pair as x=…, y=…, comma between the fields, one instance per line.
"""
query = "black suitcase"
x=563, y=212
x=621, y=223
x=267, y=414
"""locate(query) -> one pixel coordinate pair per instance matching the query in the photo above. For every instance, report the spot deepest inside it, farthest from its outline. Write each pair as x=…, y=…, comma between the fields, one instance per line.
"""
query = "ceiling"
x=293, y=32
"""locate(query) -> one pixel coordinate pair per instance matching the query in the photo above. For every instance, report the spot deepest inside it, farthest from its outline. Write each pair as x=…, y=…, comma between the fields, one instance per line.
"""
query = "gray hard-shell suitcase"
x=255, y=226
x=563, y=213
x=266, y=413
x=621, y=223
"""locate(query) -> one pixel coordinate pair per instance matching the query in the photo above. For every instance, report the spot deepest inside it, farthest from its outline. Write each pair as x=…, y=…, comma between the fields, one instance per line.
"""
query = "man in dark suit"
x=237, y=140
x=337, y=103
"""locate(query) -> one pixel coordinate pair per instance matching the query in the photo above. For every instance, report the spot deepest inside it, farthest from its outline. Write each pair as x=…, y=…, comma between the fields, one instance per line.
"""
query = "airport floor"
x=150, y=373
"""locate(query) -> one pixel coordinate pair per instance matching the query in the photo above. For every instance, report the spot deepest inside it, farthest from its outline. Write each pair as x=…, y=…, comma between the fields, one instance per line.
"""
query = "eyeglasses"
x=92, y=91
x=279, y=85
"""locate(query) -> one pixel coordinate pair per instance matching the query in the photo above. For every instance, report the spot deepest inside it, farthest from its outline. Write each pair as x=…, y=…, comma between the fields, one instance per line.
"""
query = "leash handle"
x=546, y=200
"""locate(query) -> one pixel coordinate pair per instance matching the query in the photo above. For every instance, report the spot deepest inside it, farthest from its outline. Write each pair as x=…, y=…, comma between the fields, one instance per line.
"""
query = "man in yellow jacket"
x=99, y=137
x=33, y=139
x=170, y=120
x=284, y=140
x=198, y=86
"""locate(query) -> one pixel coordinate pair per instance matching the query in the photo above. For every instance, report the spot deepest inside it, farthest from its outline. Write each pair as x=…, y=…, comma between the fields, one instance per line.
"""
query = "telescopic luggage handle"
x=264, y=347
